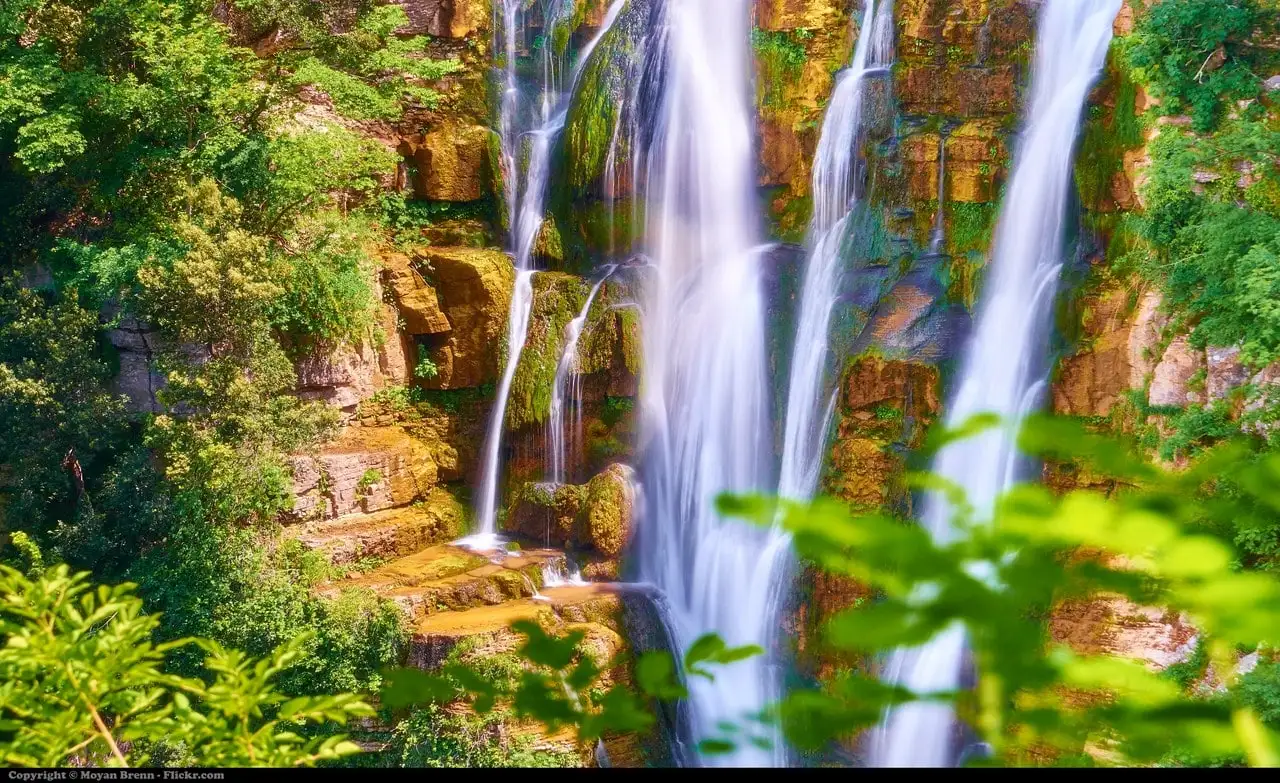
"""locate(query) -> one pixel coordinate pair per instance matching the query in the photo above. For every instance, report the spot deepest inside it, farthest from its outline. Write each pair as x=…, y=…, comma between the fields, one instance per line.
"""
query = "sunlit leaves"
x=81, y=675
x=710, y=648
x=1151, y=544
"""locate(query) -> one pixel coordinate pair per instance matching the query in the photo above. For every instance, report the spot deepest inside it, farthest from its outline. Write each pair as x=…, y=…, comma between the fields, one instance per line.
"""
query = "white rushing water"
x=566, y=392
x=704, y=392
x=527, y=200
x=1003, y=369
x=809, y=405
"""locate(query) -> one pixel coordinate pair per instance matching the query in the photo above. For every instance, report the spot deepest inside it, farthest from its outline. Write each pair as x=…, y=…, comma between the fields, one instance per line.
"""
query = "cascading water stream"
x=527, y=214
x=1003, y=366
x=704, y=393
x=834, y=194
x=568, y=383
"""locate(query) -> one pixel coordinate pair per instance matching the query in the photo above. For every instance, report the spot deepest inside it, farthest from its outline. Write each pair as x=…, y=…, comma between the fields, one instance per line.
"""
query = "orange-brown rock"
x=452, y=162
x=1118, y=353
x=445, y=18
x=474, y=288
x=782, y=157
x=903, y=385
x=344, y=375
x=416, y=300
x=367, y=469
x=595, y=609
x=797, y=14
x=967, y=92
x=1171, y=381
x=392, y=532
x=1113, y=625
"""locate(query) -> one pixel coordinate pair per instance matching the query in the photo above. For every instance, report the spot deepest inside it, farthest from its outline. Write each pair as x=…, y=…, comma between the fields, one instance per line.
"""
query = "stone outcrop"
x=1091, y=381
x=137, y=379
x=393, y=532
x=452, y=162
x=344, y=375
x=367, y=469
x=446, y=18
x=1171, y=383
x=453, y=303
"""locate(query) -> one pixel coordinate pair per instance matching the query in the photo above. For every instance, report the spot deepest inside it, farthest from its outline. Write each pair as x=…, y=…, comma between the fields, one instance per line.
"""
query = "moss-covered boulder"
x=595, y=518
x=610, y=509
x=546, y=513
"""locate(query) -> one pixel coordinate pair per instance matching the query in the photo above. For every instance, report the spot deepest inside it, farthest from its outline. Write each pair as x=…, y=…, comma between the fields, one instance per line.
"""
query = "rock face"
x=445, y=18
x=137, y=380
x=1224, y=372
x=453, y=302
x=885, y=403
x=1171, y=384
x=452, y=163
x=345, y=375
x=368, y=469
x=389, y=533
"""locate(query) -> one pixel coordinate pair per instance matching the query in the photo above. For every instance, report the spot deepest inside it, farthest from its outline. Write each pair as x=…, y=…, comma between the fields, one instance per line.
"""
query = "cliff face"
x=415, y=396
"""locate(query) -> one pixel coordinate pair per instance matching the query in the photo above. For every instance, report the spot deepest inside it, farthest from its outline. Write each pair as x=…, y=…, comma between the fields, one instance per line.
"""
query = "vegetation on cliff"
x=159, y=179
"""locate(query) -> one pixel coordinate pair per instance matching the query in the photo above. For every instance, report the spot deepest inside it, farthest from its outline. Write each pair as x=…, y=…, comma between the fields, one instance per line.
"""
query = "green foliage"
x=83, y=681
x=971, y=226
x=366, y=70
x=433, y=737
x=780, y=58
x=231, y=586
x=1000, y=578
x=425, y=368
x=1196, y=57
x=1212, y=197
x=1197, y=427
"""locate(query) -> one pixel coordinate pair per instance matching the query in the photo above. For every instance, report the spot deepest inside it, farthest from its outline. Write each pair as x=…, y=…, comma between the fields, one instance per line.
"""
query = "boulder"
x=610, y=508
x=596, y=516
x=547, y=513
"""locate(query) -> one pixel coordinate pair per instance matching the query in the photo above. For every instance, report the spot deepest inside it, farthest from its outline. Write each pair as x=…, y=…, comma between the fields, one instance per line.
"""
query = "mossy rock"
x=546, y=513
x=557, y=300
x=609, y=510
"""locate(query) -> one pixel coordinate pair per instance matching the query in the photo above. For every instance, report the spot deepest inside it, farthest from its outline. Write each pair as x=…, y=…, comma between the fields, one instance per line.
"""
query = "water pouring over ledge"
x=834, y=189
x=527, y=206
x=704, y=397
x=1003, y=369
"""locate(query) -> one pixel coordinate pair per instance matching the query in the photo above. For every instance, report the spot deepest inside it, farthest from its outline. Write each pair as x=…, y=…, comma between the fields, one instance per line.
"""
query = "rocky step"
x=594, y=608
x=449, y=578
x=393, y=532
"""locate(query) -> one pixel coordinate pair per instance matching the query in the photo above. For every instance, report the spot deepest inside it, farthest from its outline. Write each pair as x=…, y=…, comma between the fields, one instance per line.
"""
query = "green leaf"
x=405, y=687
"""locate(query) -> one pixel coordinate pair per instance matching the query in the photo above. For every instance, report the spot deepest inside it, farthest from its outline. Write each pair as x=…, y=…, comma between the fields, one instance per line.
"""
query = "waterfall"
x=704, y=394
x=1003, y=367
x=568, y=381
x=834, y=194
x=526, y=206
